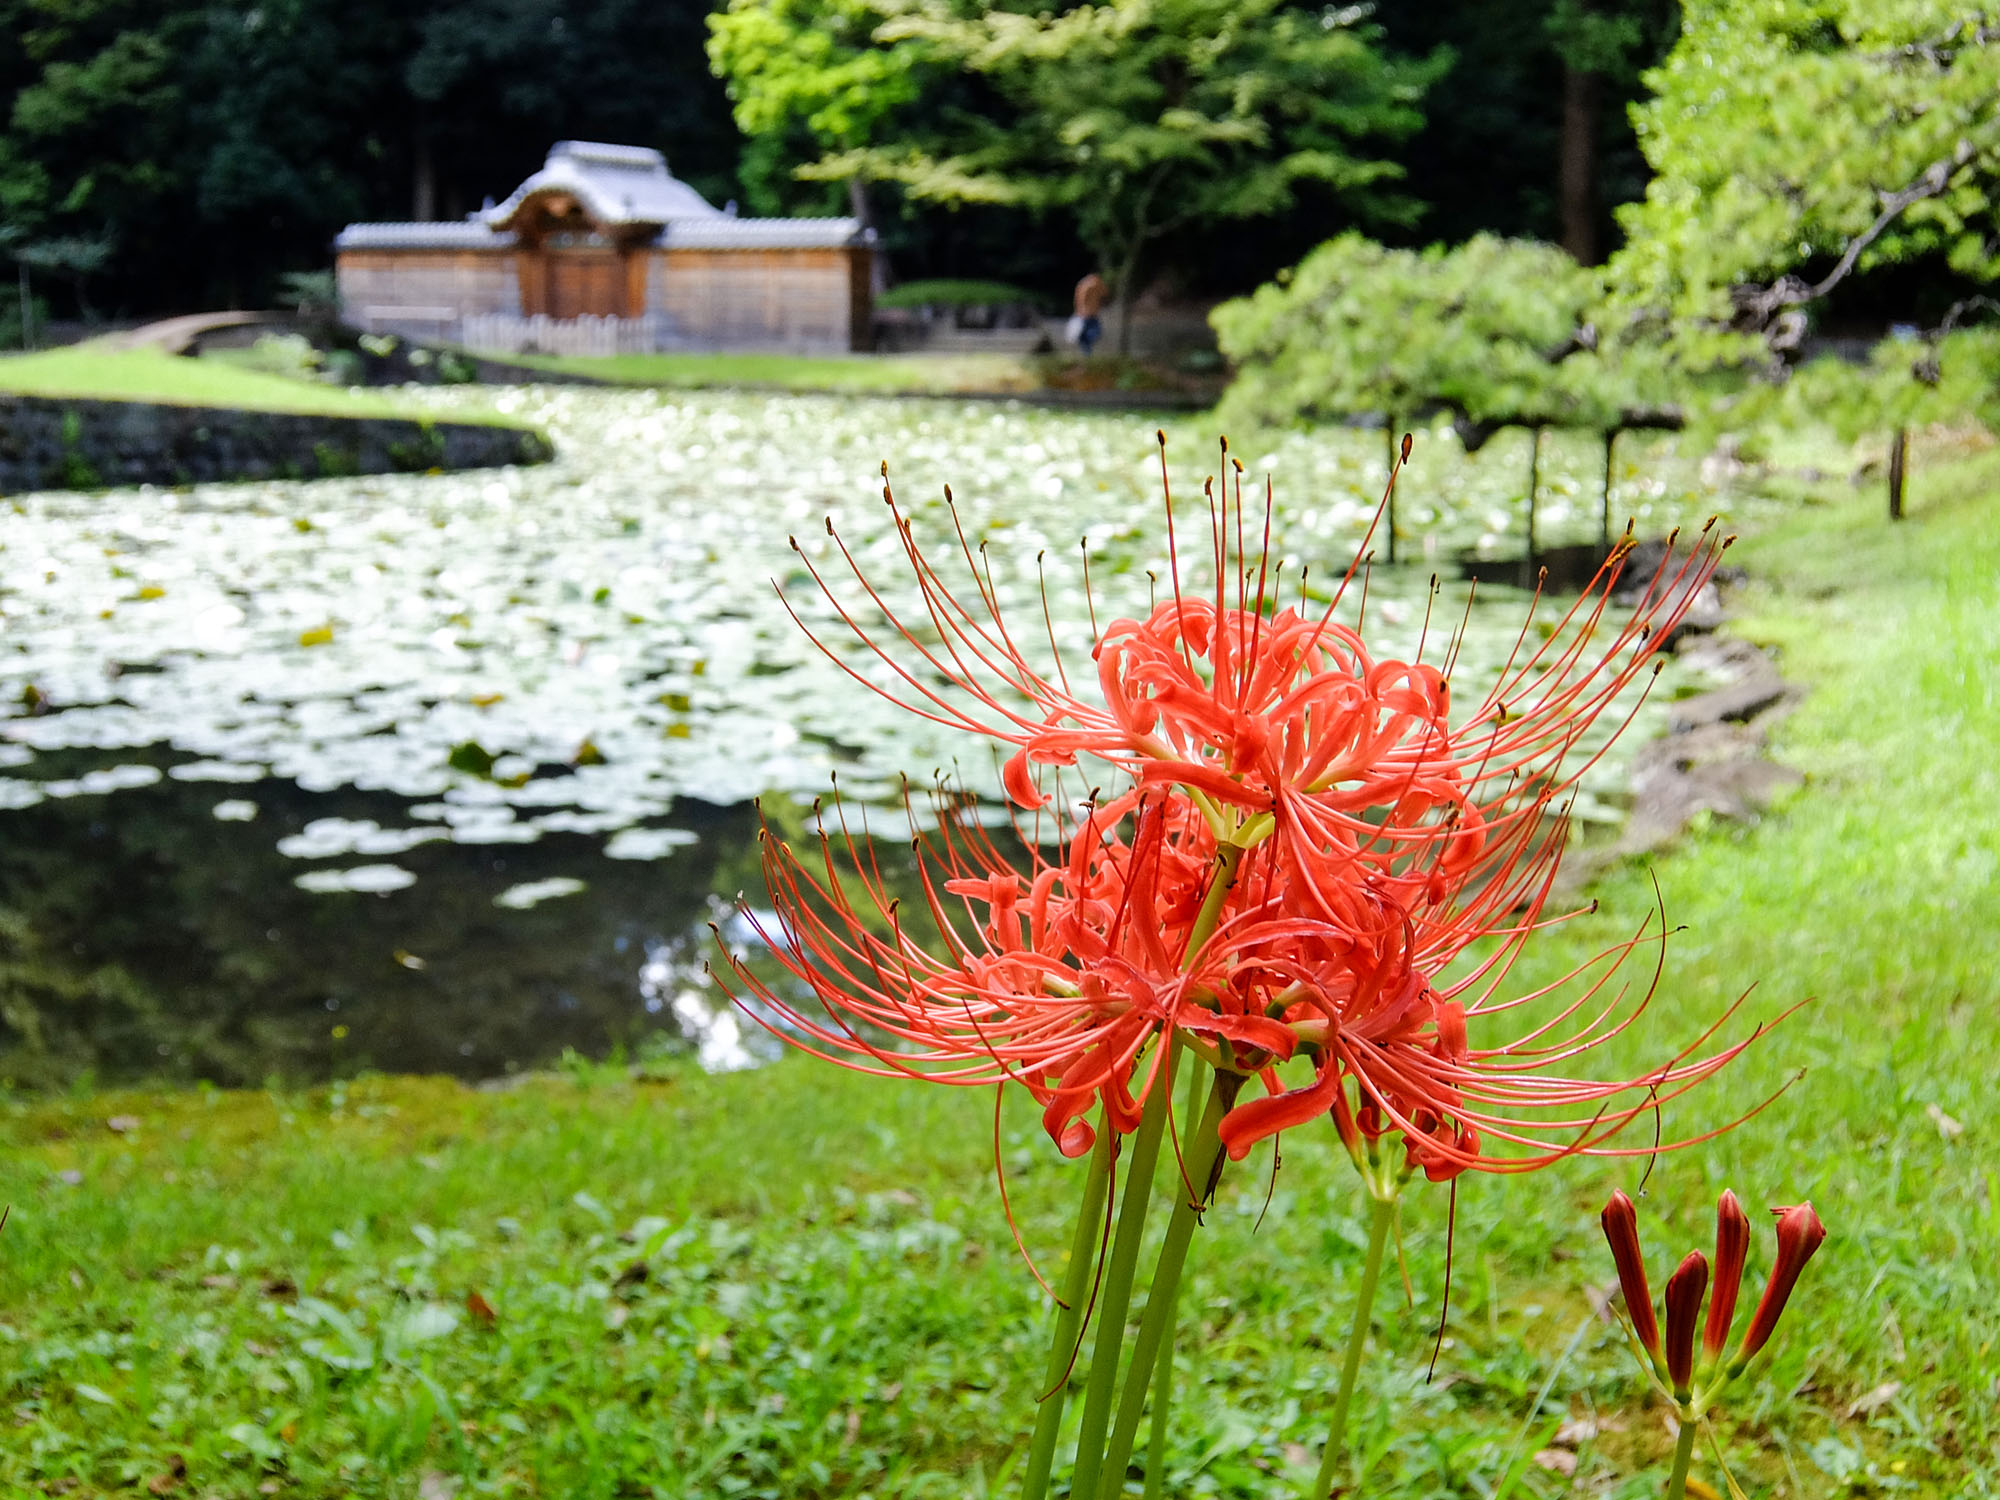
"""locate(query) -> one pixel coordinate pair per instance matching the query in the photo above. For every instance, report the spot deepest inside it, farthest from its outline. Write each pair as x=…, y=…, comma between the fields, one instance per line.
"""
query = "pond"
x=452, y=772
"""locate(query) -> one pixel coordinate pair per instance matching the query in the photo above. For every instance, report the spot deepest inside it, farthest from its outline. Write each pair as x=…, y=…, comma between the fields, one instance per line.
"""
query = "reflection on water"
x=192, y=930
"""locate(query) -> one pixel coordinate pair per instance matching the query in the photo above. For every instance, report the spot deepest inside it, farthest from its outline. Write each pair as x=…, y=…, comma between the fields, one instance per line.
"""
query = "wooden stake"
x=1389, y=457
x=1610, y=443
x=1899, y=453
x=1534, y=483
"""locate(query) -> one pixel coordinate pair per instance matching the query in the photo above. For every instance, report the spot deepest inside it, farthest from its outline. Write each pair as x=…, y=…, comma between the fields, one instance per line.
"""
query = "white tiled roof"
x=452, y=234
x=615, y=184
x=725, y=233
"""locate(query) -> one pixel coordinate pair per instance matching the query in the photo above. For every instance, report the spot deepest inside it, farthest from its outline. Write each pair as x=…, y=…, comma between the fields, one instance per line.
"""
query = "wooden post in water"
x=1899, y=454
x=1389, y=457
x=1610, y=443
x=1534, y=483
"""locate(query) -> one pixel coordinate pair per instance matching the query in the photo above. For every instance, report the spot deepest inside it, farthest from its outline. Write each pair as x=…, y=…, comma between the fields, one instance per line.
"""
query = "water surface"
x=451, y=772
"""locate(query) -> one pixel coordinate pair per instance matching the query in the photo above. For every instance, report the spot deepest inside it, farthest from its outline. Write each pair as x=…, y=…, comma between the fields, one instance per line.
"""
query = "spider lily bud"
x=1685, y=1289
x=1621, y=1231
x=1732, y=1241
x=1800, y=1233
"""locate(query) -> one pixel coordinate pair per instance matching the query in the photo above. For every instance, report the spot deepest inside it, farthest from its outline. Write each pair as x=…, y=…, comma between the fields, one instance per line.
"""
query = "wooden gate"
x=586, y=283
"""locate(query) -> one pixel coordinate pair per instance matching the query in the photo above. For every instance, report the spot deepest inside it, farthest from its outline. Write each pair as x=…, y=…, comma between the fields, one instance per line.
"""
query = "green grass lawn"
x=92, y=372
x=799, y=1283
x=847, y=374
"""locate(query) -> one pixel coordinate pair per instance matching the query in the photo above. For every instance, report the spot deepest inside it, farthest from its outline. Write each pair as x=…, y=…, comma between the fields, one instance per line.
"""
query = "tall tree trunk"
x=1581, y=93
x=1128, y=290
x=861, y=208
x=423, y=183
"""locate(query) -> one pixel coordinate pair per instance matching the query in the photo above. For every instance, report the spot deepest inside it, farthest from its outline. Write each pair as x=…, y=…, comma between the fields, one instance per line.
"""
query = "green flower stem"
x=1115, y=1297
x=1116, y=1293
x=1683, y=1455
x=1164, y=1298
x=1163, y=1368
x=1357, y=1340
x=1069, y=1318
x=1163, y=1397
x=1227, y=859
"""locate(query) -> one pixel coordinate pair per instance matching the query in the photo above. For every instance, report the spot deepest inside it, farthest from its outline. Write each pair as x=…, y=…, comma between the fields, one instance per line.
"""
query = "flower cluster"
x=1300, y=843
x=1694, y=1385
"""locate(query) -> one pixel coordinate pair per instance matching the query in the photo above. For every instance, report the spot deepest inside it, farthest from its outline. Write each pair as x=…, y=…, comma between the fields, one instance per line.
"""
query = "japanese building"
x=604, y=251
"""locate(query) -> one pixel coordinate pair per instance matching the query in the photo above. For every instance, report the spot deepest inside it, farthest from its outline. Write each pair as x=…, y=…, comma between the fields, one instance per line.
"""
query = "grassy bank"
x=798, y=1283
x=842, y=374
x=1057, y=377
x=91, y=372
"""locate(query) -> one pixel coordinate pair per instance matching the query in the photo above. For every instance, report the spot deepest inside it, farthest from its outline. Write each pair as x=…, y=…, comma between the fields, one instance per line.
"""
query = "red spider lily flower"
x=1298, y=846
x=1685, y=1289
x=1621, y=1231
x=1800, y=1233
x=1058, y=977
x=1732, y=1244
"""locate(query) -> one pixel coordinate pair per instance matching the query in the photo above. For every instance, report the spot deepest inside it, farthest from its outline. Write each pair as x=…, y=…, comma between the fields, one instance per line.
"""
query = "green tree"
x=1822, y=164
x=1141, y=118
x=215, y=145
x=1800, y=146
x=1495, y=331
x=807, y=80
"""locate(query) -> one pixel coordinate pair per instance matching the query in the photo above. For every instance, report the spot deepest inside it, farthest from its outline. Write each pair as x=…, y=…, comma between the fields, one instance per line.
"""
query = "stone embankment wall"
x=54, y=443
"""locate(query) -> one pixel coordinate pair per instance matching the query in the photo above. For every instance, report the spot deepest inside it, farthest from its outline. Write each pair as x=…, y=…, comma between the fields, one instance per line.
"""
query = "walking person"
x=1087, y=325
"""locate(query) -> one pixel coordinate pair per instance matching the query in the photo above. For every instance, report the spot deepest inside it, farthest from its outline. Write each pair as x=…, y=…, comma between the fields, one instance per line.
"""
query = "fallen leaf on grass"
x=1557, y=1461
x=1701, y=1489
x=481, y=1309
x=122, y=1124
x=1875, y=1400
x=1947, y=1127
x=1576, y=1431
x=160, y=1484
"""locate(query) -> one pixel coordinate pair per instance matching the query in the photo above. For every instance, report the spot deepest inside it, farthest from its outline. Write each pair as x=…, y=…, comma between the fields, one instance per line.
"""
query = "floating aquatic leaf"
x=99, y=783
x=472, y=758
x=218, y=770
x=373, y=879
x=647, y=843
x=535, y=892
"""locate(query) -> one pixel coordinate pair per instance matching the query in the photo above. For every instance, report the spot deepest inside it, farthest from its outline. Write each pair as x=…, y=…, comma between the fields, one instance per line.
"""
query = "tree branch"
x=1759, y=307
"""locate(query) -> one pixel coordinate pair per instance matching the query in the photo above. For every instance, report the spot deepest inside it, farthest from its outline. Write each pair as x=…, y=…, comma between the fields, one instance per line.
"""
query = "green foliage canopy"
x=1804, y=153
x=1495, y=331
x=1796, y=143
x=1136, y=118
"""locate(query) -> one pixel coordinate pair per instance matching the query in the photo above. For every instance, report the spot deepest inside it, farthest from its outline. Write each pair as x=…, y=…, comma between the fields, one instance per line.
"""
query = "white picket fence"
x=501, y=333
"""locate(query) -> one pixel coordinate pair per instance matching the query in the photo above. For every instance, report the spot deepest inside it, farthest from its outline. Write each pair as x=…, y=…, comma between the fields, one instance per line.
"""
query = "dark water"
x=141, y=936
